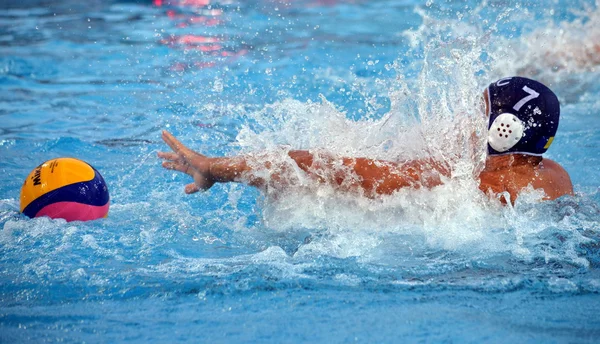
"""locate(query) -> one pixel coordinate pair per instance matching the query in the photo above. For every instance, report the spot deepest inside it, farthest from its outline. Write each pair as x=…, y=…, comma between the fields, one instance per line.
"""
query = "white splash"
x=437, y=115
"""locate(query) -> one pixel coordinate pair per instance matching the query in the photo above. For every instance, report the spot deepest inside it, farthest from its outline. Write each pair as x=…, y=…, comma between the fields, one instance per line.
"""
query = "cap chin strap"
x=489, y=103
x=505, y=132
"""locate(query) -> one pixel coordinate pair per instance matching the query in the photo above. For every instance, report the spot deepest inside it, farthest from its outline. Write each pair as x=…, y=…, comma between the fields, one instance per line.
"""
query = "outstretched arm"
x=367, y=176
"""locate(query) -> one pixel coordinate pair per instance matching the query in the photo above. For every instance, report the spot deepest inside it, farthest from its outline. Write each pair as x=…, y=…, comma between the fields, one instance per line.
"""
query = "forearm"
x=367, y=176
x=236, y=169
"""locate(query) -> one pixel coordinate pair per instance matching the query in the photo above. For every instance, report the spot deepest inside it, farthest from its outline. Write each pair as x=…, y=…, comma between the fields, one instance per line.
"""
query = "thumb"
x=191, y=188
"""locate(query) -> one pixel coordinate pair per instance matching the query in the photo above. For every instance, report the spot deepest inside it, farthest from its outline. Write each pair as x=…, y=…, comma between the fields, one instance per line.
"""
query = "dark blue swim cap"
x=530, y=107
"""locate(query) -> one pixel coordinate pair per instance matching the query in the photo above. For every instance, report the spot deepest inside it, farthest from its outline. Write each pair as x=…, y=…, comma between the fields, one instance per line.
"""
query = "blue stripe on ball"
x=72, y=193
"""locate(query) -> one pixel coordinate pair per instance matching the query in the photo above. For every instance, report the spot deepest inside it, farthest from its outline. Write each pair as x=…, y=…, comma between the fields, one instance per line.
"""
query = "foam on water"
x=523, y=40
x=436, y=117
x=553, y=50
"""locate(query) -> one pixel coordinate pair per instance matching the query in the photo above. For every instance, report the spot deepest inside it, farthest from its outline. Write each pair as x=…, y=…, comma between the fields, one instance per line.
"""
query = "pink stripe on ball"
x=72, y=211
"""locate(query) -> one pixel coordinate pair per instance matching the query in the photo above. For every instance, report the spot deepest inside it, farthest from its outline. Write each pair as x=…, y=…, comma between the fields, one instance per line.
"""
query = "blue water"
x=99, y=80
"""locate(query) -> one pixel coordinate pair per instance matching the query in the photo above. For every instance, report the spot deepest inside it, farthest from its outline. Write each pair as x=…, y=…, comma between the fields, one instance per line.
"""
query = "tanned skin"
x=508, y=173
x=513, y=172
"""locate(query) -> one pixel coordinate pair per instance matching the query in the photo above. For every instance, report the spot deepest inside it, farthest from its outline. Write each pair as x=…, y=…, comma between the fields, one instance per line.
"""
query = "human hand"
x=185, y=160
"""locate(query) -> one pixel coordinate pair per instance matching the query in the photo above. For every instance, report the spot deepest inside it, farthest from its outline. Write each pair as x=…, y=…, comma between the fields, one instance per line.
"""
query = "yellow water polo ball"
x=65, y=188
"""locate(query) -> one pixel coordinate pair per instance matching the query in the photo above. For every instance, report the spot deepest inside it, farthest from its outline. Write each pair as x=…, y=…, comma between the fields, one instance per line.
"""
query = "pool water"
x=395, y=80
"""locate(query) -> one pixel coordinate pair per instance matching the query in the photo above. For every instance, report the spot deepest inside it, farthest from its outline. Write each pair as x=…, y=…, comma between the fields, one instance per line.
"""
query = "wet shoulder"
x=548, y=176
x=555, y=179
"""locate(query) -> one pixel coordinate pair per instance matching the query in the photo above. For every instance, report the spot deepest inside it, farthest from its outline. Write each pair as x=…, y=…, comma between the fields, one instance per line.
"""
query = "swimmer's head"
x=523, y=116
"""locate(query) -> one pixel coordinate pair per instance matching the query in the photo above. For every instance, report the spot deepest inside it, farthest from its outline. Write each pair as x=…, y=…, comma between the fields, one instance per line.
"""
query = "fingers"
x=176, y=146
x=176, y=166
x=191, y=188
x=169, y=156
x=185, y=160
x=171, y=141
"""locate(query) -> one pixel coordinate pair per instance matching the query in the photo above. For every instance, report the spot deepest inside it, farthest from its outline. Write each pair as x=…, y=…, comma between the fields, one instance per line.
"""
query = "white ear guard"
x=505, y=132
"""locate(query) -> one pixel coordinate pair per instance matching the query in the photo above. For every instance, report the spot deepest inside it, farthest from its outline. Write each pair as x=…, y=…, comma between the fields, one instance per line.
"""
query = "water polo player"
x=523, y=117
